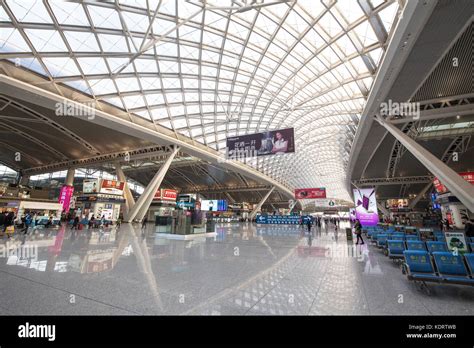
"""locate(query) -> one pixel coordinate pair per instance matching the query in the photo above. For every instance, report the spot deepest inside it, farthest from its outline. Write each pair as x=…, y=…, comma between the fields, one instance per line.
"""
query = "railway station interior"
x=236, y=157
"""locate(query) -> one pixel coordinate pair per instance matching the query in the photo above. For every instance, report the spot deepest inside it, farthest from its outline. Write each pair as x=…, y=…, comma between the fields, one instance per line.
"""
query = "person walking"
x=144, y=222
x=308, y=224
x=358, y=232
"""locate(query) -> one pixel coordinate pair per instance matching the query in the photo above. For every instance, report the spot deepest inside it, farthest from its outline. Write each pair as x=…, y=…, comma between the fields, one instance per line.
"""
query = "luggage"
x=10, y=230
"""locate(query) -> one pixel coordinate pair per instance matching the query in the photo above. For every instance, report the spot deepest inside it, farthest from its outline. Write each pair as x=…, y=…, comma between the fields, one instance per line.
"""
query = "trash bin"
x=349, y=233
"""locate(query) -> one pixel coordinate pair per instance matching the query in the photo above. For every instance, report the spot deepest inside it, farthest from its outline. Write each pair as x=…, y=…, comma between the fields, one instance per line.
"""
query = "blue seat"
x=470, y=263
x=419, y=266
x=451, y=268
x=411, y=237
x=395, y=248
x=382, y=240
x=436, y=246
x=398, y=237
x=416, y=245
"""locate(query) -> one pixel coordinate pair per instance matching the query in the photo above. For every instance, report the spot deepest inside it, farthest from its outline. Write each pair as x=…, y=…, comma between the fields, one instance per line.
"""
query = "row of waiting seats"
x=439, y=267
x=395, y=248
x=427, y=261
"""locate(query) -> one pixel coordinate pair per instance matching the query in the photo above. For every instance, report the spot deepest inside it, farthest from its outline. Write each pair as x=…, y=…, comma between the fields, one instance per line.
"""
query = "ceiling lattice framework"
x=208, y=71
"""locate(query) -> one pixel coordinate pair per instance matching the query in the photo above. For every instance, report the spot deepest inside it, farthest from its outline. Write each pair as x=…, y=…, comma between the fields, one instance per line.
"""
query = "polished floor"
x=244, y=270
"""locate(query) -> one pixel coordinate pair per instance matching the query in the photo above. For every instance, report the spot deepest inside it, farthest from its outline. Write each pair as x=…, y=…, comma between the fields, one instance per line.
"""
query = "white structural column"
x=70, y=177
x=129, y=200
x=459, y=187
x=418, y=197
x=24, y=179
x=142, y=205
x=259, y=205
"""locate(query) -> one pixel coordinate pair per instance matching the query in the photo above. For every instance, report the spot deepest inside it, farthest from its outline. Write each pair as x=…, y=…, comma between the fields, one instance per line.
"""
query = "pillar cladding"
x=463, y=190
x=129, y=200
x=259, y=205
x=70, y=177
x=142, y=205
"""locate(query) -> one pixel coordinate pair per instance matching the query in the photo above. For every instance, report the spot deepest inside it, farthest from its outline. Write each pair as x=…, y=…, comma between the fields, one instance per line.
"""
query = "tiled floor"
x=244, y=270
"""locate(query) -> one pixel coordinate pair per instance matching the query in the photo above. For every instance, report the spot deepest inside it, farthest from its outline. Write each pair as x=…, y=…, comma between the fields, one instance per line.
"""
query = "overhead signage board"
x=166, y=195
x=366, y=206
x=91, y=186
x=214, y=205
x=310, y=193
x=440, y=188
x=112, y=187
x=274, y=142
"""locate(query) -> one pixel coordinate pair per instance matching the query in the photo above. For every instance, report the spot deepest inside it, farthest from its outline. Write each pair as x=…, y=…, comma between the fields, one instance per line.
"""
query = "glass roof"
x=213, y=69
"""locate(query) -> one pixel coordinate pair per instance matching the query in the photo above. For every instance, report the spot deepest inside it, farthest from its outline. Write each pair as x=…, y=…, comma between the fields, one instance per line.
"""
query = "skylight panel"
x=127, y=84
x=113, y=43
x=46, y=40
x=81, y=42
x=92, y=65
x=135, y=21
x=103, y=86
x=12, y=41
x=68, y=13
x=103, y=17
x=29, y=11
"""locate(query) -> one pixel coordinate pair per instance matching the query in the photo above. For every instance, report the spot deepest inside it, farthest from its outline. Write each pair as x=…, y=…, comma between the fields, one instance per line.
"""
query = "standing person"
x=102, y=220
x=119, y=221
x=91, y=222
x=308, y=224
x=469, y=229
x=144, y=222
x=446, y=224
x=28, y=219
x=50, y=222
x=9, y=218
x=75, y=223
x=2, y=220
x=33, y=222
x=358, y=232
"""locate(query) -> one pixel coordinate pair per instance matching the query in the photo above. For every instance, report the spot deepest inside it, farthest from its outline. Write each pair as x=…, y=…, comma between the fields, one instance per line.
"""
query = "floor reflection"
x=243, y=269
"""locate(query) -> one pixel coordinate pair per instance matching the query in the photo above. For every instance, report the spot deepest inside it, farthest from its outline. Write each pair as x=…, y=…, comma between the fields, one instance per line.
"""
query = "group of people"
x=27, y=220
x=317, y=221
x=90, y=223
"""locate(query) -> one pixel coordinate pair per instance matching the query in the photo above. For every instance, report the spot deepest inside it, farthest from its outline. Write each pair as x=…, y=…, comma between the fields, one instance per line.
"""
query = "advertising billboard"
x=214, y=205
x=65, y=196
x=112, y=187
x=366, y=206
x=166, y=195
x=440, y=188
x=91, y=185
x=261, y=144
x=310, y=193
